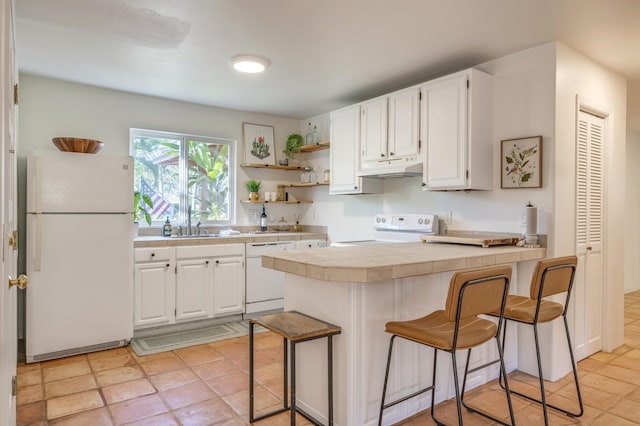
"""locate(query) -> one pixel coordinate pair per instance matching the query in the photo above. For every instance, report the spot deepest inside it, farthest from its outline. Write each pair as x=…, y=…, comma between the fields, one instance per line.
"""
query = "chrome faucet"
x=189, y=221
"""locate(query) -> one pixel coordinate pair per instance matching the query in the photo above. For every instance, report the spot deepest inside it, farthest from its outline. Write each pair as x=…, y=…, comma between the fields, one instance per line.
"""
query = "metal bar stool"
x=471, y=293
x=551, y=276
x=294, y=327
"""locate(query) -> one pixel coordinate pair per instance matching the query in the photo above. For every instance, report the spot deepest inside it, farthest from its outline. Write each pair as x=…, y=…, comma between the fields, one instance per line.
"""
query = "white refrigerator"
x=79, y=253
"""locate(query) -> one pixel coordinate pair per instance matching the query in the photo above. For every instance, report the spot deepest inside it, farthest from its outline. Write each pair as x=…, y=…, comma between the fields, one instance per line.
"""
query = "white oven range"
x=397, y=228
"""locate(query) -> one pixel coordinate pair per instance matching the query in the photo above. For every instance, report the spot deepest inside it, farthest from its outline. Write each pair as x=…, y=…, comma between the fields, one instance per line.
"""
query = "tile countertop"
x=374, y=263
x=227, y=239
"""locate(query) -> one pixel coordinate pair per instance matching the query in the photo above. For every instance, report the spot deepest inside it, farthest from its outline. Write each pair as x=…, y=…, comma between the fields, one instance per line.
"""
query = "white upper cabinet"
x=456, y=128
x=373, y=133
x=345, y=154
x=389, y=137
x=404, y=139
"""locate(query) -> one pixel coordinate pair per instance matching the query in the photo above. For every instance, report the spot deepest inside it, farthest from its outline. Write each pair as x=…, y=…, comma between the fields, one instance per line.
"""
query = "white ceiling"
x=324, y=54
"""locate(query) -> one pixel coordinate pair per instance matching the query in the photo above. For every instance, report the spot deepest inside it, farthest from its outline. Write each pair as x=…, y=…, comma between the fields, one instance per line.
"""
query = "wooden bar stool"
x=471, y=293
x=551, y=276
x=294, y=327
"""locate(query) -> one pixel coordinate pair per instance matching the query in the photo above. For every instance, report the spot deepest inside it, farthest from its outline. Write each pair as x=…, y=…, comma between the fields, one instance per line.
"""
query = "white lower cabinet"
x=154, y=287
x=180, y=284
x=228, y=286
x=194, y=279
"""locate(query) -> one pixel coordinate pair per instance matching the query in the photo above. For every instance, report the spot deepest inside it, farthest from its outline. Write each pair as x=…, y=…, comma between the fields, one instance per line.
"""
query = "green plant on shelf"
x=295, y=141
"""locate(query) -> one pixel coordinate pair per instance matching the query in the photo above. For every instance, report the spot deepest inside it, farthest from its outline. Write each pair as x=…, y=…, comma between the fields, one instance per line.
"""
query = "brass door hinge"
x=14, y=385
x=13, y=240
x=15, y=94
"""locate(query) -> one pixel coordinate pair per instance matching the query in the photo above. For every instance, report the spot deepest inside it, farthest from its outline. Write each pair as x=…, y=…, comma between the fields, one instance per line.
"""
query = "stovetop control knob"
x=426, y=221
x=420, y=221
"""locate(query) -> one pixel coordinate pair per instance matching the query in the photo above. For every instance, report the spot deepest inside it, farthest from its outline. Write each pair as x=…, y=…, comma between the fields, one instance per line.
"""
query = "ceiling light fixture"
x=249, y=64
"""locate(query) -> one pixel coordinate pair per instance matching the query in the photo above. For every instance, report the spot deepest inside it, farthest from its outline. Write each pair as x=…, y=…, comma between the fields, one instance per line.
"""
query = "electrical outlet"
x=448, y=219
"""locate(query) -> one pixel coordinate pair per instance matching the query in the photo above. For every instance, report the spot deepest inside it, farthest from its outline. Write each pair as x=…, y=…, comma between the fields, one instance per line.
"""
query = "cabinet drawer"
x=153, y=254
x=215, y=250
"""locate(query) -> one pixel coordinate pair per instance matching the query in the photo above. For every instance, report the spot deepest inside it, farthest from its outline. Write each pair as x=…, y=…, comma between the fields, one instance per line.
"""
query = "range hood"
x=400, y=167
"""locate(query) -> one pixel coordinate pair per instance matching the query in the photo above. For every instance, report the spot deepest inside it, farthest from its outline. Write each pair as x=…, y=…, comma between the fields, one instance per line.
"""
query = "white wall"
x=578, y=75
x=523, y=106
x=632, y=214
x=50, y=108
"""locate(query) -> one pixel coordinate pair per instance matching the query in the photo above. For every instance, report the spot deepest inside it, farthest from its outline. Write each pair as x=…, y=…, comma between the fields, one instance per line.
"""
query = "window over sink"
x=179, y=171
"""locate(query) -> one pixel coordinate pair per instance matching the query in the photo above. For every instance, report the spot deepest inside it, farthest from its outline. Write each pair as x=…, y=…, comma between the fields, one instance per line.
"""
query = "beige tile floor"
x=208, y=385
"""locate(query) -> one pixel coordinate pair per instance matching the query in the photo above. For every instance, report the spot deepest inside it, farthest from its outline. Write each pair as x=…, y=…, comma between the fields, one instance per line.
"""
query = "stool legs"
x=459, y=393
x=289, y=365
x=543, y=399
x=330, y=378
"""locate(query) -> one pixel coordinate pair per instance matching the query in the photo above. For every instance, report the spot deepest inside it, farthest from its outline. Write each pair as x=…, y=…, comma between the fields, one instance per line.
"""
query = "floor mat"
x=182, y=339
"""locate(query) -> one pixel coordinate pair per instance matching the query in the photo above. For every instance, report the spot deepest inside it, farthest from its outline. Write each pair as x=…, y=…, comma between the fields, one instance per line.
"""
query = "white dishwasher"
x=264, y=286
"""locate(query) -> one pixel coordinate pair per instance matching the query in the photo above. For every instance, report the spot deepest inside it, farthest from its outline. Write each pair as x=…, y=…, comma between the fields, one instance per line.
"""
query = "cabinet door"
x=403, y=123
x=443, y=121
x=228, y=286
x=345, y=142
x=373, y=126
x=154, y=290
x=193, y=288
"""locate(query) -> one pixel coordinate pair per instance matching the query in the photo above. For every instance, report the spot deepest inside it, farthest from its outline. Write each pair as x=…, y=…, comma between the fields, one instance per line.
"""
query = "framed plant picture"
x=521, y=163
x=259, y=146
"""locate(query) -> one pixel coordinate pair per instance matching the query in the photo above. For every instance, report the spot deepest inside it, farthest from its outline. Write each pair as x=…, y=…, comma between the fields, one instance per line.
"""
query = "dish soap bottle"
x=166, y=229
x=263, y=220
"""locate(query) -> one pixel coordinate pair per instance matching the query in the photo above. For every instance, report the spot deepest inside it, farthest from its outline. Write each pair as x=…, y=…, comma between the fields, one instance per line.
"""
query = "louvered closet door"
x=589, y=235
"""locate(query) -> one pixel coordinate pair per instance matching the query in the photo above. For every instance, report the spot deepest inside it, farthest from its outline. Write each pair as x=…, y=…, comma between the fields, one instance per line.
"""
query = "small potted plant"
x=295, y=141
x=253, y=186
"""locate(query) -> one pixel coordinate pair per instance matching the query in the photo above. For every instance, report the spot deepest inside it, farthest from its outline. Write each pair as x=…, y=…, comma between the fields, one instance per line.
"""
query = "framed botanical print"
x=259, y=146
x=521, y=163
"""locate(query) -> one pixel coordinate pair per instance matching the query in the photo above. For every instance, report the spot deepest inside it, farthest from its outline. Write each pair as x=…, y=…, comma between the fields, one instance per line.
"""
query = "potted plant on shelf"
x=253, y=186
x=295, y=141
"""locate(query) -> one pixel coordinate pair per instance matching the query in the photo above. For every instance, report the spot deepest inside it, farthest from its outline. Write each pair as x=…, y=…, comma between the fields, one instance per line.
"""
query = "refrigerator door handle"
x=37, y=243
x=37, y=204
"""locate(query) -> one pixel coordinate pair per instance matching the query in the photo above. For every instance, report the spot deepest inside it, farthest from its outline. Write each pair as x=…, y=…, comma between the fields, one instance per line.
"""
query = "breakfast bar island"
x=361, y=288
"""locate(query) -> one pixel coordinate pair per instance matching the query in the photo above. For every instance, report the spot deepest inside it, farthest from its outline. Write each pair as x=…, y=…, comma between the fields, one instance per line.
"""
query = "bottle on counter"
x=263, y=220
x=166, y=229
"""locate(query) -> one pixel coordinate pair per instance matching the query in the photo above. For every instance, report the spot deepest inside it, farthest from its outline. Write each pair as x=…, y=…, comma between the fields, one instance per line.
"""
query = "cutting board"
x=475, y=240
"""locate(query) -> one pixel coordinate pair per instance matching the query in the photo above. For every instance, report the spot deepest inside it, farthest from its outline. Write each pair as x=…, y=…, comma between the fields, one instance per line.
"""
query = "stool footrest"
x=416, y=393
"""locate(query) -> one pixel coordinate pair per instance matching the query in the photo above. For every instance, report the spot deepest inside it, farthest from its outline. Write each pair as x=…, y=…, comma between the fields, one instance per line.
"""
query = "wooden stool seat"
x=294, y=327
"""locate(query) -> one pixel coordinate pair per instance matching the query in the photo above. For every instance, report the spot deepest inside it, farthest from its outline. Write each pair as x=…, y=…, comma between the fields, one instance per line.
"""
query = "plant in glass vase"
x=253, y=186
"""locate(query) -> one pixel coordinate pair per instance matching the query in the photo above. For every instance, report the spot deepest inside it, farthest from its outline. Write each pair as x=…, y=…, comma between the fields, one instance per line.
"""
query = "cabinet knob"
x=391, y=154
x=217, y=261
x=381, y=154
x=589, y=248
x=424, y=184
x=153, y=254
x=168, y=265
x=206, y=263
x=355, y=187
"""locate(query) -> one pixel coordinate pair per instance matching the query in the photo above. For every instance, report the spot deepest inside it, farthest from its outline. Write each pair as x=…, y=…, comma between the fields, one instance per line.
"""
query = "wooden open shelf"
x=275, y=202
x=271, y=166
x=304, y=185
x=316, y=147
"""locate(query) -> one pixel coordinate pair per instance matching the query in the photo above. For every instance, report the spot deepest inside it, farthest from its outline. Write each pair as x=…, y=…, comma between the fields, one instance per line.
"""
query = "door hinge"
x=15, y=94
x=420, y=95
x=175, y=269
x=419, y=144
x=467, y=174
x=14, y=385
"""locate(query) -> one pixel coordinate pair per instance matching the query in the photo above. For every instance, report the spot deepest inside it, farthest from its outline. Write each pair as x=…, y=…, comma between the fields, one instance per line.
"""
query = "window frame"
x=183, y=170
